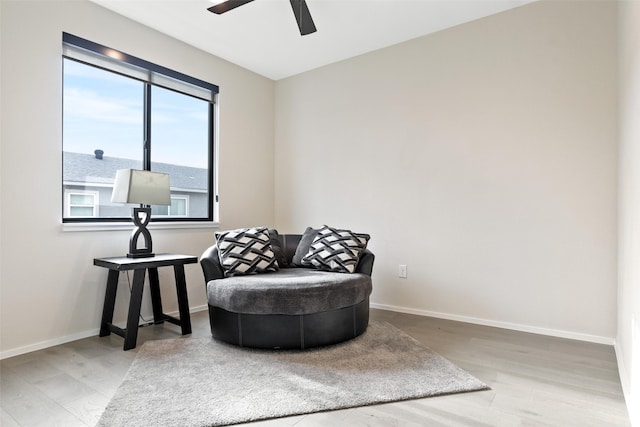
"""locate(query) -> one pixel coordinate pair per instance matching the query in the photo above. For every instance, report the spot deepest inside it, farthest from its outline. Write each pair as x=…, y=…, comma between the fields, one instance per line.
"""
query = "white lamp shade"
x=141, y=187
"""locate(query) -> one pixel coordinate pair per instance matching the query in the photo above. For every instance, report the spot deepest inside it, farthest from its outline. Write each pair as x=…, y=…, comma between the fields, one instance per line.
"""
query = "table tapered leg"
x=183, y=299
x=131, y=334
x=109, y=302
x=156, y=299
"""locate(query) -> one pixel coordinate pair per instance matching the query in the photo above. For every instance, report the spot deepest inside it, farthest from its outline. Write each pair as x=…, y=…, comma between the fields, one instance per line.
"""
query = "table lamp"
x=145, y=188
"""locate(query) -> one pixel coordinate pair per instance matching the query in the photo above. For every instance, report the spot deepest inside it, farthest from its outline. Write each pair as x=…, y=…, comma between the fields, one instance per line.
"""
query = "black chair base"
x=284, y=331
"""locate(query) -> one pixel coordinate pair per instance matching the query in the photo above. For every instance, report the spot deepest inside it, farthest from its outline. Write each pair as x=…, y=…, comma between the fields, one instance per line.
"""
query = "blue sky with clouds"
x=103, y=110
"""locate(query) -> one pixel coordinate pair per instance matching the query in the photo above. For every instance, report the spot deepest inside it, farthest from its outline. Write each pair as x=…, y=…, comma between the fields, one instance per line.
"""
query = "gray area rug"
x=203, y=382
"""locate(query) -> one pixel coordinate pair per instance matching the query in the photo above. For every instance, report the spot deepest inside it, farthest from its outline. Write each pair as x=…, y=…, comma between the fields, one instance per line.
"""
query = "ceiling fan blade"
x=226, y=6
x=303, y=17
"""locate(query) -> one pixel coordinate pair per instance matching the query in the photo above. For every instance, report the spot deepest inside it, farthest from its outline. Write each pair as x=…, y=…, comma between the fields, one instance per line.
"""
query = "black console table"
x=139, y=266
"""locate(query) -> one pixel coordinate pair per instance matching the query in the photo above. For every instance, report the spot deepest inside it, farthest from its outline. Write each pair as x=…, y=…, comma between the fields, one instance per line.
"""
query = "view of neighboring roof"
x=90, y=168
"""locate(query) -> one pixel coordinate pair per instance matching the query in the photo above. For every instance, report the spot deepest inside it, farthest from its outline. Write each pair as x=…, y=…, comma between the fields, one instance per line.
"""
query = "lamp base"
x=141, y=217
x=141, y=255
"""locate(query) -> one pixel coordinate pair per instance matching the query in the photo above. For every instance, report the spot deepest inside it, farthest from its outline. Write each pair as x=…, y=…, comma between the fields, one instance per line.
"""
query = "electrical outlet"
x=402, y=271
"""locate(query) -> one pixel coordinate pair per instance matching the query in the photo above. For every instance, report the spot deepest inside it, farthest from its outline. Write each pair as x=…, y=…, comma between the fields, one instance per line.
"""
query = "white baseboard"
x=73, y=337
x=48, y=343
x=505, y=325
x=497, y=324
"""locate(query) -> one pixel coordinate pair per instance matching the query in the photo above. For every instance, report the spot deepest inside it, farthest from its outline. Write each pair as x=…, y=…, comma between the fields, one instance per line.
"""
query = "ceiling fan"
x=300, y=10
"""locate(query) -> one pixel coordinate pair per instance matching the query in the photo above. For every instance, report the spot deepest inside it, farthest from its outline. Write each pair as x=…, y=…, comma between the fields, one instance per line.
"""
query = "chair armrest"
x=365, y=265
x=210, y=263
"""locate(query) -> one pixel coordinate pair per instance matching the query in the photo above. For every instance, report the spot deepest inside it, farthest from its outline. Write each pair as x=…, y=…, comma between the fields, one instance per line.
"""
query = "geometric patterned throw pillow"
x=336, y=250
x=246, y=251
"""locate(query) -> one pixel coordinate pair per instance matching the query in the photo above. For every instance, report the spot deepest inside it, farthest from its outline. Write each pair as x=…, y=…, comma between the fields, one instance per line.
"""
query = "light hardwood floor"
x=535, y=380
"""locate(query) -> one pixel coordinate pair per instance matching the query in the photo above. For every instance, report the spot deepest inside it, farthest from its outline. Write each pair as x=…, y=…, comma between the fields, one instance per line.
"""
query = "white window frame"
x=67, y=202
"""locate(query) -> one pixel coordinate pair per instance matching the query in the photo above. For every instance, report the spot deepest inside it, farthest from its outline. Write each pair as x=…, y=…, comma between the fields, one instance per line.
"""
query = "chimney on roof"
x=99, y=154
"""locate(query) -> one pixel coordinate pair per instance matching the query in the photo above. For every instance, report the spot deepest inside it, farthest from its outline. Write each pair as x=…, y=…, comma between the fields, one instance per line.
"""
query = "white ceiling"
x=263, y=36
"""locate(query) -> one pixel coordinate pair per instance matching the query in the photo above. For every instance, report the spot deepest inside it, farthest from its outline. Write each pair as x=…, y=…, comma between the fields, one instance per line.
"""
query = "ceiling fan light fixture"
x=226, y=5
x=300, y=10
x=303, y=17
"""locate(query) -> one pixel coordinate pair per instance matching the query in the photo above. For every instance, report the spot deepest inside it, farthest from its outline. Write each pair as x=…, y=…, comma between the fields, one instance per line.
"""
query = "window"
x=121, y=112
x=81, y=204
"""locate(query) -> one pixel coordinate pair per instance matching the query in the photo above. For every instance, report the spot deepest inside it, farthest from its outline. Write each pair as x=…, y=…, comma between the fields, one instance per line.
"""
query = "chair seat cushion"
x=289, y=291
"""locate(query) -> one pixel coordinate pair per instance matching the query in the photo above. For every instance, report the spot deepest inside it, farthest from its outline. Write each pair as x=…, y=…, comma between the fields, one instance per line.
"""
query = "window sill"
x=114, y=226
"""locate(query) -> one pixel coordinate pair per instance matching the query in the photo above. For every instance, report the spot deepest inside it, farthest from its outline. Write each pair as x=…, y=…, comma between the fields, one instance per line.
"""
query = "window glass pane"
x=180, y=141
x=178, y=206
x=102, y=131
x=102, y=111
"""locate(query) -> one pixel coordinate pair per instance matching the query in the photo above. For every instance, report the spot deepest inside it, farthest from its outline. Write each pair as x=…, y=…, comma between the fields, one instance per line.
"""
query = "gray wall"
x=64, y=302
x=483, y=157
